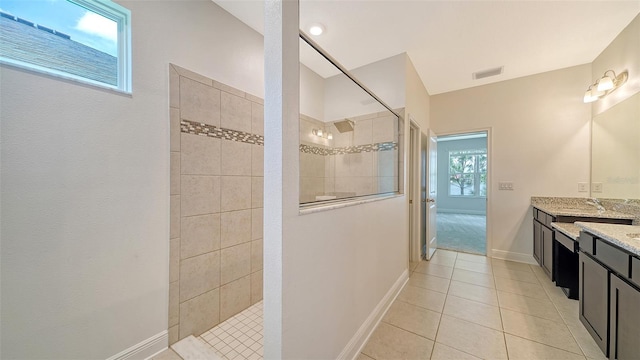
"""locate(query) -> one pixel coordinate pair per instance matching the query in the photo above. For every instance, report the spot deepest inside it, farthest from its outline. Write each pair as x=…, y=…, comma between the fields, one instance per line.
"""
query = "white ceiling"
x=449, y=40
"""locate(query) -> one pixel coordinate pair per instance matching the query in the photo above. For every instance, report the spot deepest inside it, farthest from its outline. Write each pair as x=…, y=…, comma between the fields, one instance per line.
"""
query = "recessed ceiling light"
x=316, y=29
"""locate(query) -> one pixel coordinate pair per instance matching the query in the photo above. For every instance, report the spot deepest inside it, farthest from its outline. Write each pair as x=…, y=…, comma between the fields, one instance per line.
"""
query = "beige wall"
x=85, y=188
x=540, y=141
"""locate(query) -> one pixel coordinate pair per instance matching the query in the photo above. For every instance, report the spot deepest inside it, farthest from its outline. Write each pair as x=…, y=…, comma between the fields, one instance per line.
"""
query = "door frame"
x=413, y=190
x=489, y=227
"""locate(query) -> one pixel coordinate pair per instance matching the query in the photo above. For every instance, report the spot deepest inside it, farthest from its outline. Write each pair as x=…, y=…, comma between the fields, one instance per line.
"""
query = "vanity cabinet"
x=594, y=299
x=624, y=329
x=543, y=241
x=609, y=297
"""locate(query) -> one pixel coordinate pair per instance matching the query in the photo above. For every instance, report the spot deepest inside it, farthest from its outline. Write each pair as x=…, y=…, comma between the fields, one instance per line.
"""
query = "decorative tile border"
x=196, y=128
x=384, y=146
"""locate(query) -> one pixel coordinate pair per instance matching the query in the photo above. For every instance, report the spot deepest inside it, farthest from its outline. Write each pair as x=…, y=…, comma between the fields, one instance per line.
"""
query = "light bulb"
x=330, y=136
x=605, y=83
x=319, y=132
x=589, y=97
x=316, y=29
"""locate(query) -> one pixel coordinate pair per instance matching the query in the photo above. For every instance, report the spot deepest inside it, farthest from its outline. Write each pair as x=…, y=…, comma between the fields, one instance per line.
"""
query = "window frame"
x=122, y=17
x=476, y=174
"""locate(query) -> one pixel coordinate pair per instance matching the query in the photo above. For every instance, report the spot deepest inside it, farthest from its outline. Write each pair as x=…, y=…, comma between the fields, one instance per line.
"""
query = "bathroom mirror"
x=348, y=140
x=615, y=151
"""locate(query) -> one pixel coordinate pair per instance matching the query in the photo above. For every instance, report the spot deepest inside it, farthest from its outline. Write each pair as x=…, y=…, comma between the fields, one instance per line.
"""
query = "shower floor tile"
x=239, y=337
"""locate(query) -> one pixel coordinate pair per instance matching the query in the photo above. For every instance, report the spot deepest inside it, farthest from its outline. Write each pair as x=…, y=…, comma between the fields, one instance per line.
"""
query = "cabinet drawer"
x=614, y=258
x=548, y=220
x=566, y=241
x=586, y=242
x=635, y=271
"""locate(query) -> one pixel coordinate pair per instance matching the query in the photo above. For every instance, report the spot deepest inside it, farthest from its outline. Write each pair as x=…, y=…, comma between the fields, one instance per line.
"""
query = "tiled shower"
x=217, y=151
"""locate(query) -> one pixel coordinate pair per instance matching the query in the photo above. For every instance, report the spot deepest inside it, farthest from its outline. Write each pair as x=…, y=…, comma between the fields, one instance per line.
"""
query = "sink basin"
x=634, y=236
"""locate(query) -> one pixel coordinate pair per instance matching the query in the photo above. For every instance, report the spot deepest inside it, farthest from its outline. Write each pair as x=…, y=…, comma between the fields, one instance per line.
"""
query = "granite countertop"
x=581, y=210
x=569, y=229
x=615, y=234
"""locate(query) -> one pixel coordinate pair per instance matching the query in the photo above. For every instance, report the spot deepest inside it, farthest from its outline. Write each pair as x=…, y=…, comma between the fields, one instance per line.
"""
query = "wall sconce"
x=322, y=134
x=605, y=85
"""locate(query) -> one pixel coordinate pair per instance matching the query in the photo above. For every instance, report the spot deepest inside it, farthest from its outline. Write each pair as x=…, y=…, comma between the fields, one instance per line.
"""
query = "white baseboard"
x=513, y=256
x=144, y=349
x=359, y=339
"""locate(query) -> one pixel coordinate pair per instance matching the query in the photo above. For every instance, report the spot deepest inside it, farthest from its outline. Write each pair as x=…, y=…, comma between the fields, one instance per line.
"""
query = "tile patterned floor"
x=239, y=337
x=456, y=306
x=464, y=306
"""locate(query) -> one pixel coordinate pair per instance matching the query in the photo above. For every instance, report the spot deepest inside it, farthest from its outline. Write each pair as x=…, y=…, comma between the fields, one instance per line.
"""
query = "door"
x=625, y=320
x=429, y=152
x=537, y=241
x=594, y=300
x=547, y=250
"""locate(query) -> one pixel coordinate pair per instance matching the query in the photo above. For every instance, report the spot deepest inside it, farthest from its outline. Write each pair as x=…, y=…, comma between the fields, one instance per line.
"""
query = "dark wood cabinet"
x=625, y=320
x=537, y=241
x=594, y=299
x=547, y=251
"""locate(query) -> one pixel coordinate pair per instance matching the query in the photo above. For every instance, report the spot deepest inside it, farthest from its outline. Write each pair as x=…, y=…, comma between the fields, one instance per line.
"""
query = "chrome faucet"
x=595, y=202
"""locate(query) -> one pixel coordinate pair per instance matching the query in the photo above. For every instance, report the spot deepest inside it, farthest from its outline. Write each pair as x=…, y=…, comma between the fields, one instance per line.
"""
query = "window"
x=468, y=173
x=83, y=40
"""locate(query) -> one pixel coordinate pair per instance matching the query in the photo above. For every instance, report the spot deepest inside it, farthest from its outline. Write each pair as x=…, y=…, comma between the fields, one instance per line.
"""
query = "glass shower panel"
x=348, y=140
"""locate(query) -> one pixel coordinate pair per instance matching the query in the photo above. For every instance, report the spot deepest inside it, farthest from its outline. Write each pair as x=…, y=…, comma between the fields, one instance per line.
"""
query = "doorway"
x=463, y=173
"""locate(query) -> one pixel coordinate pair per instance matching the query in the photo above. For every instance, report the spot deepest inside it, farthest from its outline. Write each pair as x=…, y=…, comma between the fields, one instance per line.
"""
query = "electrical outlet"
x=596, y=187
x=583, y=187
x=505, y=185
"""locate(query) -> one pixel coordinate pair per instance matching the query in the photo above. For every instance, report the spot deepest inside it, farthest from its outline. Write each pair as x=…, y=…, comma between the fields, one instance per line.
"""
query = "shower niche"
x=349, y=138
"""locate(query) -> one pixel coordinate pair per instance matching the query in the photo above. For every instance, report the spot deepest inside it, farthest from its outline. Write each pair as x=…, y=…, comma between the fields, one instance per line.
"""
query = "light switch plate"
x=583, y=187
x=505, y=185
x=596, y=187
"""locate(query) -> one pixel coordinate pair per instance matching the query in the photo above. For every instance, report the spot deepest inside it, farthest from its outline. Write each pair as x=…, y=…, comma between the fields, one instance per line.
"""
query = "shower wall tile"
x=387, y=184
x=235, y=112
x=235, y=228
x=174, y=227
x=360, y=164
x=216, y=203
x=174, y=128
x=384, y=129
x=199, y=194
x=256, y=223
x=310, y=187
x=254, y=99
x=362, y=132
x=235, y=262
x=199, y=102
x=192, y=75
x=329, y=185
x=257, y=160
x=342, y=165
x=200, y=235
x=174, y=260
x=257, y=191
x=256, y=286
x=174, y=88
x=228, y=89
x=236, y=158
x=256, y=255
x=236, y=193
x=174, y=303
x=199, y=274
x=175, y=173
x=257, y=118
x=200, y=314
x=174, y=333
x=386, y=162
x=235, y=297
x=200, y=155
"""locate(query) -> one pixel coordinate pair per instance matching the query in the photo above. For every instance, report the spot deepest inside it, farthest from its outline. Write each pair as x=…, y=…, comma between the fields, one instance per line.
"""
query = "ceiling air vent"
x=487, y=73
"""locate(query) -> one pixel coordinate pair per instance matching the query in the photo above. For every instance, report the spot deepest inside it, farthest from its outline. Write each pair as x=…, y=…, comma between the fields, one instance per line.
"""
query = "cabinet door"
x=537, y=241
x=625, y=321
x=547, y=250
x=594, y=300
